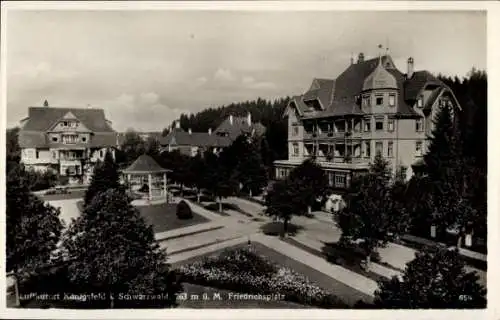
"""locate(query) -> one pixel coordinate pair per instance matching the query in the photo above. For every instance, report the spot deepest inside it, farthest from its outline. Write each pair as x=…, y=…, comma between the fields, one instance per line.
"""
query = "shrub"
x=63, y=180
x=184, y=210
x=242, y=270
x=235, y=260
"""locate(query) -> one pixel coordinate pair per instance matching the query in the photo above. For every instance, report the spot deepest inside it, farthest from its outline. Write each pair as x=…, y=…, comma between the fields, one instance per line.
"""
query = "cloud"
x=250, y=83
x=248, y=80
x=263, y=85
x=201, y=80
x=144, y=112
x=224, y=75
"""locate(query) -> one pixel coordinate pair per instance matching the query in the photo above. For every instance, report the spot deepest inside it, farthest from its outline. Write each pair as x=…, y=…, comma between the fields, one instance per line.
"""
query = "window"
x=54, y=139
x=418, y=148
x=379, y=124
x=390, y=149
x=379, y=147
x=339, y=180
x=392, y=100
x=84, y=139
x=419, y=125
x=296, y=149
x=295, y=130
x=70, y=139
x=101, y=153
x=379, y=101
x=420, y=102
x=390, y=125
x=366, y=101
x=65, y=123
x=37, y=153
x=367, y=149
x=368, y=125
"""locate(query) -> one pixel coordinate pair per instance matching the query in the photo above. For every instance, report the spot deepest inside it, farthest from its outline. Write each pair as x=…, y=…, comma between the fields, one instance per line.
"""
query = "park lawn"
x=74, y=194
x=163, y=217
x=343, y=291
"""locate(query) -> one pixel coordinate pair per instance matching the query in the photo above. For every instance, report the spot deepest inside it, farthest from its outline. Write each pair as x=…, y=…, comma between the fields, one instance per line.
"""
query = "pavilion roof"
x=145, y=164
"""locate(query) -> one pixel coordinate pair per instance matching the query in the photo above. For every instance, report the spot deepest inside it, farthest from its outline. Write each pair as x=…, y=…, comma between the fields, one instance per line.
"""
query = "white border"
x=493, y=64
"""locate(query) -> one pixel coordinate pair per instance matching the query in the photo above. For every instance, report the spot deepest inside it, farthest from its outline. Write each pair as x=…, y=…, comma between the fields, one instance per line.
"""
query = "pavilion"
x=145, y=166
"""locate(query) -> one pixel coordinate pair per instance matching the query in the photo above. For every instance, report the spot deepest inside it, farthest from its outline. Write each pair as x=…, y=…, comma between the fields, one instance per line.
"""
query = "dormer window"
x=84, y=139
x=379, y=101
x=54, y=139
x=420, y=102
x=65, y=123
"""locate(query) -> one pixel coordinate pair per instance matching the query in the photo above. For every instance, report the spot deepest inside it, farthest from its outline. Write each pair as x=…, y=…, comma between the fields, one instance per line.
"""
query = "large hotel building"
x=371, y=107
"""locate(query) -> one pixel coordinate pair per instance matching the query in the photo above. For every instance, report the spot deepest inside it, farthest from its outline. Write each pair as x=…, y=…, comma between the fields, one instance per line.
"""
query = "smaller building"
x=67, y=141
x=191, y=143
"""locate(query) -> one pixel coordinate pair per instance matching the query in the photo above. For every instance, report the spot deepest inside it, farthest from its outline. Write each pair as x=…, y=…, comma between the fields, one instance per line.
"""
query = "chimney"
x=361, y=57
x=45, y=103
x=352, y=60
x=231, y=119
x=189, y=130
x=209, y=131
x=409, y=72
x=249, y=119
x=177, y=124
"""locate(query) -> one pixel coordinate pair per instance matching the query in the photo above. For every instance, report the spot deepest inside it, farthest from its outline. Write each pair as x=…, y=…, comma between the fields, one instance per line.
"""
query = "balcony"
x=70, y=156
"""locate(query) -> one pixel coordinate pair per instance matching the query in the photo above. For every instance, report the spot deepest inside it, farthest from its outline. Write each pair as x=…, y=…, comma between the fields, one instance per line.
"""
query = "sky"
x=145, y=68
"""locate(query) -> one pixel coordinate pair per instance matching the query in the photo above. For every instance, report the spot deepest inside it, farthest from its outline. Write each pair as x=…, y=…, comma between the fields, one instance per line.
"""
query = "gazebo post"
x=149, y=187
x=129, y=178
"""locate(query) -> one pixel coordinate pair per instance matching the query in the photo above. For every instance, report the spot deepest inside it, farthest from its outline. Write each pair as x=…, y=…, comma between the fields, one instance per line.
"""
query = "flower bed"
x=242, y=270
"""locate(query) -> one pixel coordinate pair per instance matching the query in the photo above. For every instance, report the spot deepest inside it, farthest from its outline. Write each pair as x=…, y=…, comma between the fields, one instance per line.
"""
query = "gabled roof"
x=417, y=82
x=239, y=126
x=346, y=89
x=42, y=118
x=321, y=90
x=144, y=164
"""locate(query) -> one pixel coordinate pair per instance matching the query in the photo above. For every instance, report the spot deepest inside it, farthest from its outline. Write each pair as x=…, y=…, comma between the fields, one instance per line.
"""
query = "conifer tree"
x=105, y=177
x=113, y=251
x=33, y=228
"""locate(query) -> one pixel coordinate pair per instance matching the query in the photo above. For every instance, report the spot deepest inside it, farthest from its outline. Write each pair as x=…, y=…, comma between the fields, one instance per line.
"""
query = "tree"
x=311, y=182
x=105, y=177
x=132, y=147
x=180, y=165
x=197, y=170
x=152, y=147
x=112, y=250
x=12, y=149
x=33, y=228
x=448, y=171
x=282, y=202
x=436, y=278
x=219, y=180
x=244, y=158
x=371, y=214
